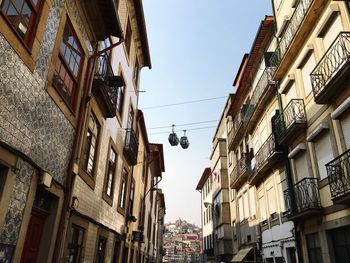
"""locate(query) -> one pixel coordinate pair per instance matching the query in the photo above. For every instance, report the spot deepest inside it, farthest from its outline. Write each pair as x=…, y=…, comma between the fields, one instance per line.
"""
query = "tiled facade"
x=42, y=184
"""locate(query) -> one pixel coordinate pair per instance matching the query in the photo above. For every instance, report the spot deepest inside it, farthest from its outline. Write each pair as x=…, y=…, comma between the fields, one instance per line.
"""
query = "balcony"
x=237, y=176
x=265, y=157
x=236, y=132
x=104, y=18
x=331, y=70
x=262, y=93
x=291, y=121
x=338, y=171
x=131, y=147
x=303, y=200
x=105, y=87
x=297, y=28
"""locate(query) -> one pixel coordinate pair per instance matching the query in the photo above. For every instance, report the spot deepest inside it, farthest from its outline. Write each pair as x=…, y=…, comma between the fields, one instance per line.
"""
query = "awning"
x=242, y=253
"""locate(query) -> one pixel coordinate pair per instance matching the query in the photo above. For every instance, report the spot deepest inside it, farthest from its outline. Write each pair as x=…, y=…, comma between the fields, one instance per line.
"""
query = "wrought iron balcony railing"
x=333, y=61
x=292, y=116
x=259, y=91
x=303, y=196
x=291, y=29
x=265, y=152
x=131, y=146
x=239, y=169
x=338, y=171
x=262, y=84
x=237, y=124
x=106, y=87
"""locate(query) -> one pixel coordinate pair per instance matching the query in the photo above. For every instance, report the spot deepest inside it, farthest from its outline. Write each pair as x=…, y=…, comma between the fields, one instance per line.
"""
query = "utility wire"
x=200, y=128
x=184, y=124
x=182, y=103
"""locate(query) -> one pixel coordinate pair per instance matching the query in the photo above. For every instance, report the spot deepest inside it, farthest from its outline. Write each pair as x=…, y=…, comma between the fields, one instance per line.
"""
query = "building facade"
x=74, y=153
x=287, y=137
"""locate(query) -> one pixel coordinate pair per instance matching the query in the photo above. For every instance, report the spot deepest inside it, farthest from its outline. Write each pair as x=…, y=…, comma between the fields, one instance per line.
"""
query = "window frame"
x=123, y=191
x=109, y=198
x=72, y=106
x=28, y=39
x=128, y=38
x=90, y=178
x=80, y=247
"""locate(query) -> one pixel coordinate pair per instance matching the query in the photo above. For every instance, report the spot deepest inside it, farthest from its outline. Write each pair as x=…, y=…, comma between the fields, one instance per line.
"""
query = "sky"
x=196, y=47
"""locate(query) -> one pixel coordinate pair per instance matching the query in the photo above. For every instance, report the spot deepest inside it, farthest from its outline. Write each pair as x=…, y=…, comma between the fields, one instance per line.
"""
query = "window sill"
x=121, y=210
x=88, y=179
x=107, y=198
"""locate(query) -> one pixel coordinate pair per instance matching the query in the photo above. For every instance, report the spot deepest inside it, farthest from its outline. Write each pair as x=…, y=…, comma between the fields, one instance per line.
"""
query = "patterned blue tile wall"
x=13, y=219
x=30, y=121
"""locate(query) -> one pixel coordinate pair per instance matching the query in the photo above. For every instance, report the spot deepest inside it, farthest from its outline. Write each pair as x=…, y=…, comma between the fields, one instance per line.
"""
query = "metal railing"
x=262, y=84
x=337, y=55
x=291, y=29
x=237, y=122
x=265, y=151
x=338, y=171
x=104, y=72
x=240, y=168
x=293, y=113
x=259, y=90
x=131, y=146
x=306, y=196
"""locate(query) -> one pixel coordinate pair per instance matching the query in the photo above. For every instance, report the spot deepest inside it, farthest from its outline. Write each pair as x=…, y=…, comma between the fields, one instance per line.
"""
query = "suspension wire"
x=182, y=103
x=184, y=124
x=193, y=129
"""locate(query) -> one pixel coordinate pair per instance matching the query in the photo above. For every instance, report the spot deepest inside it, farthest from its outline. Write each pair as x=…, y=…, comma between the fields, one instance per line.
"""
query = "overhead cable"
x=184, y=124
x=200, y=128
x=182, y=103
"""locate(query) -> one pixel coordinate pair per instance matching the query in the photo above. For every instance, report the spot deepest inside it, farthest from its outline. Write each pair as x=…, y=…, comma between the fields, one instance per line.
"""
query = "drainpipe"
x=347, y=5
x=74, y=155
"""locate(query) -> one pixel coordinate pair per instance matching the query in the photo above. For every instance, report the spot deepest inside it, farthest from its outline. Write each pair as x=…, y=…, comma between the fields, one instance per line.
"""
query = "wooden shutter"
x=324, y=153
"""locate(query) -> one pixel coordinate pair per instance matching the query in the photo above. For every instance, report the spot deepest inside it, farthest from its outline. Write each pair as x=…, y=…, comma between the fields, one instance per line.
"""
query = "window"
x=262, y=207
x=241, y=211
x=314, y=248
x=132, y=197
x=245, y=205
x=335, y=27
x=3, y=171
x=301, y=167
x=110, y=173
x=101, y=247
x=252, y=201
x=290, y=93
x=75, y=244
x=271, y=197
x=130, y=118
x=119, y=101
x=122, y=192
x=324, y=153
x=341, y=243
x=136, y=72
x=68, y=66
x=127, y=40
x=91, y=144
x=306, y=70
x=22, y=15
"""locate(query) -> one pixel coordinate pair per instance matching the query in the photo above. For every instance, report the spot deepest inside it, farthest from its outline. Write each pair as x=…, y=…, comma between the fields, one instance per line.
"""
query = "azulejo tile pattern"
x=53, y=20
x=30, y=121
x=14, y=215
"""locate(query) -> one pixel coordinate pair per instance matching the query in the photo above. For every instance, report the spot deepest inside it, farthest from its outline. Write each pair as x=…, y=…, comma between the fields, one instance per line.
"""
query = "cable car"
x=173, y=139
x=184, y=141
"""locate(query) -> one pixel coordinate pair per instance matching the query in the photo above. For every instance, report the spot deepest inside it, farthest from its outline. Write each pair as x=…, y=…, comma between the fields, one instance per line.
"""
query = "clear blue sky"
x=196, y=47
